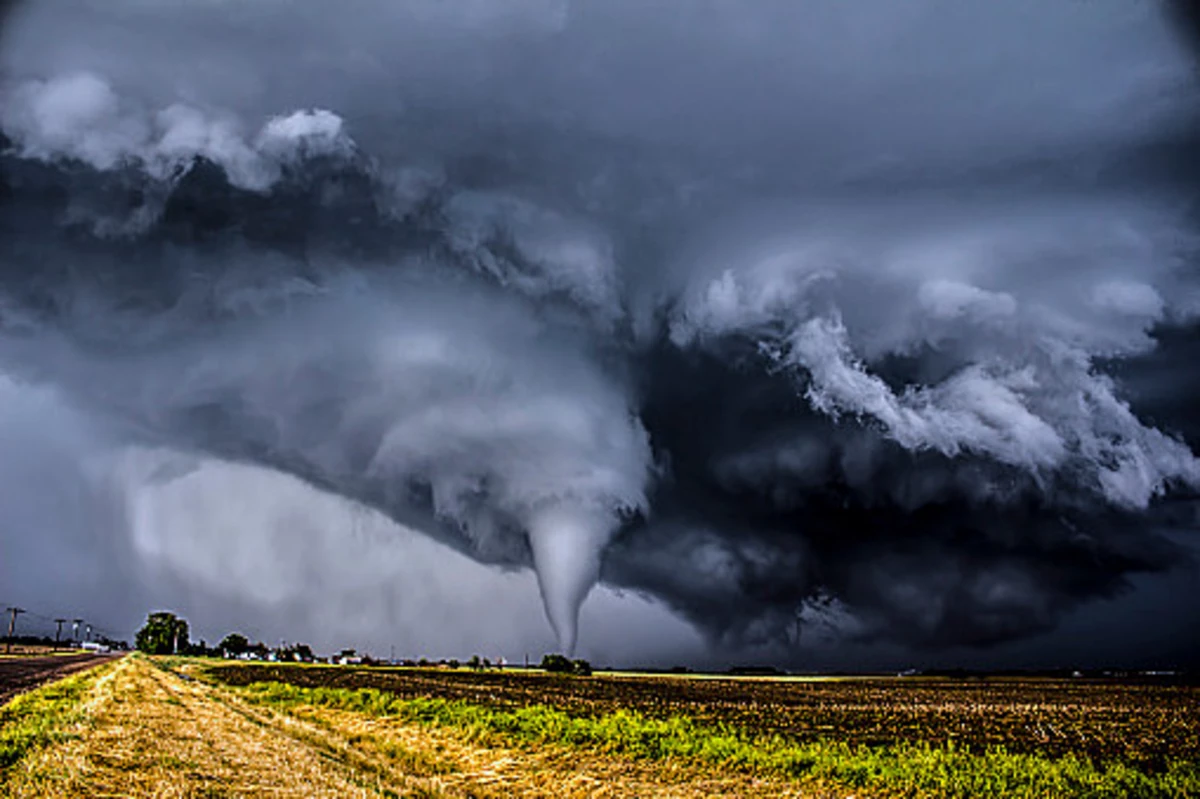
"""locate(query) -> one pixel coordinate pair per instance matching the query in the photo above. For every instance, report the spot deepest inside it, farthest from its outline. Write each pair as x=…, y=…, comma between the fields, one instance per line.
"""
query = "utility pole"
x=87, y=632
x=75, y=628
x=58, y=631
x=12, y=625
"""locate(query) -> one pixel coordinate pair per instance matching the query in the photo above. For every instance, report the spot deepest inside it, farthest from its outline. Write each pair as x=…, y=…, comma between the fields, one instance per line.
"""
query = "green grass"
x=41, y=717
x=899, y=770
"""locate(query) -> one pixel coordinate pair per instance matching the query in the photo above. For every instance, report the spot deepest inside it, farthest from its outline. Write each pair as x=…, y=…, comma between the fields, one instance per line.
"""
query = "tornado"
x=567, y=545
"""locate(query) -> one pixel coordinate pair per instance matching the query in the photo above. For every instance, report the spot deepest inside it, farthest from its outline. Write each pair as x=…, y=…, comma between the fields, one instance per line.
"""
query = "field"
x=1147, y=724
x=19, y=674
x=177, y=727
x=34, y=650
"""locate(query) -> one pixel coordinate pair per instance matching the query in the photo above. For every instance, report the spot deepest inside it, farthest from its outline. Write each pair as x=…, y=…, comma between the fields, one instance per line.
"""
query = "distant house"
x=93, y=646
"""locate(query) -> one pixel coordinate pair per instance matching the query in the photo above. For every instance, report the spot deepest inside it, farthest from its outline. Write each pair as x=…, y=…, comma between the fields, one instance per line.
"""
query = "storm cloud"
x=877, y=319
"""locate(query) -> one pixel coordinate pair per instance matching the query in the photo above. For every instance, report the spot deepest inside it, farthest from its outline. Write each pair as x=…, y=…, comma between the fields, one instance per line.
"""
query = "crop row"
x=1142, y=724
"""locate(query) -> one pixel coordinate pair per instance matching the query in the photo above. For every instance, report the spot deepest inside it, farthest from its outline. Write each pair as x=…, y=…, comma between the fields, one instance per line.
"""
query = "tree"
x=199, y=650
x=557, y=664
x=295, y=653
x=234, y=644
x=475, y=663
x=163, y=634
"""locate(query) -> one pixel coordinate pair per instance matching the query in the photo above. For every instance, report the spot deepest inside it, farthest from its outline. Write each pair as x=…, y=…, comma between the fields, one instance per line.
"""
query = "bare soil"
x=18, y=675
x=1142, y=723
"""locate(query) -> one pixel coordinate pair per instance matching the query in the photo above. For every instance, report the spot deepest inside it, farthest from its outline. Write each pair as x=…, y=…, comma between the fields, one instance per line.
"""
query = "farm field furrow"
x=19, y=674
x=142, y=726
x=1144, y=724
x=146, y=729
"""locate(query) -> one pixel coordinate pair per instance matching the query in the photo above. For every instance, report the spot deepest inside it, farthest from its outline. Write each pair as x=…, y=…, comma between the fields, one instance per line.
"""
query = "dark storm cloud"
x=1186, y=15
x=768, y=310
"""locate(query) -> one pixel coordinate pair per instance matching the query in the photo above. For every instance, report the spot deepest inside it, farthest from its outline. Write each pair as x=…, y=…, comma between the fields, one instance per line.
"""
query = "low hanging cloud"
x=852, y=335
x=1020, y=384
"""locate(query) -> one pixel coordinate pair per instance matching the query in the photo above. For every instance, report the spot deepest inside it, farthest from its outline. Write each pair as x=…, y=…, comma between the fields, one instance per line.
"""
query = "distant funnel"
x=566, y=545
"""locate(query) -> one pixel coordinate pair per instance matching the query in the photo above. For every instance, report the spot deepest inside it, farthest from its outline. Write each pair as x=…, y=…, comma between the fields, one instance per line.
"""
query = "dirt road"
x=22, y=674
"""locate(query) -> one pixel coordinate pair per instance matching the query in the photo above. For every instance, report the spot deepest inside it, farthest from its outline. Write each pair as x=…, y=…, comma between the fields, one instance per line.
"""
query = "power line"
x=48, y=619
x=13, y=612
x=54, y=620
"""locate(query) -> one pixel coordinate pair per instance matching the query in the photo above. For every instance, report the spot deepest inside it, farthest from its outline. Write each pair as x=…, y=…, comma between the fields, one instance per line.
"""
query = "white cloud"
x=80, y=117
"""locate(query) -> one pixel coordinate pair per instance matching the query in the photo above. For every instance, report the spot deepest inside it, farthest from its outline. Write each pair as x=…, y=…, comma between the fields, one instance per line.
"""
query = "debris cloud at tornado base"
x=883, y=316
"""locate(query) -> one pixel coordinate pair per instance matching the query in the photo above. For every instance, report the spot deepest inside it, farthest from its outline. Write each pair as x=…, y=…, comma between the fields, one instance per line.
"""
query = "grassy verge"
x=42, y=717
x=904, y=770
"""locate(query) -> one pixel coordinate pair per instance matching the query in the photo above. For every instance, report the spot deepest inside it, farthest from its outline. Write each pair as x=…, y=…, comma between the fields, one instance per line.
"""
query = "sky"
x=838, y=336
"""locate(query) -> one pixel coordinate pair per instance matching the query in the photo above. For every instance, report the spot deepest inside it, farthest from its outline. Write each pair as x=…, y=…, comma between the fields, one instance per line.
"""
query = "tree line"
x=164, y=633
